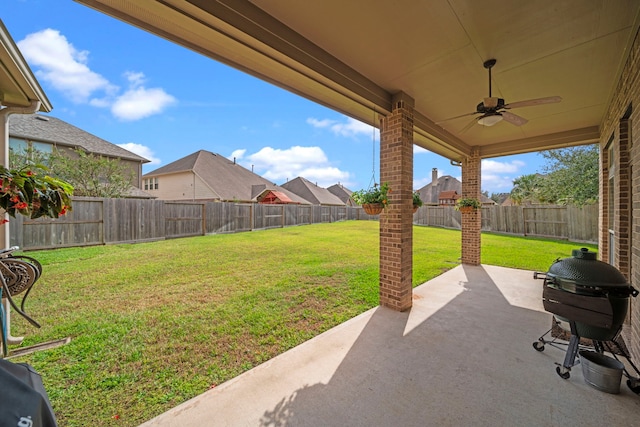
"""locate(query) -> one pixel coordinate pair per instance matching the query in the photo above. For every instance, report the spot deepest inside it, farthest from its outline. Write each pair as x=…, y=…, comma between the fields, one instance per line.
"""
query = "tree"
x=526, y=189
x=571, y=175
x=90, y=175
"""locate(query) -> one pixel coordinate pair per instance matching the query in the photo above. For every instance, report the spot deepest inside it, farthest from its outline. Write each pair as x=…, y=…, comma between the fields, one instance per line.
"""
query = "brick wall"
x=471, y=221
x=621, y=130
x=396, y=221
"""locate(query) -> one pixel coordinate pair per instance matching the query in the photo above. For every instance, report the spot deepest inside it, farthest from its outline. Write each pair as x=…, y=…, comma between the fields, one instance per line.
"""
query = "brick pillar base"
x=471, y=221
x=396, y=222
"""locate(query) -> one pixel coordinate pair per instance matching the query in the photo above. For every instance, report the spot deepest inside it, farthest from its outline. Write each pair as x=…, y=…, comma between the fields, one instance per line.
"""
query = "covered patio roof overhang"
x=354, y=56
x=18, y=86
x=408, y=67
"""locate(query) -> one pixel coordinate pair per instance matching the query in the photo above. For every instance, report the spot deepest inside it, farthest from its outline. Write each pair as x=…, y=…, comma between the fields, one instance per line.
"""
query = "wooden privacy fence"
x=96, y=221
x=577, y=224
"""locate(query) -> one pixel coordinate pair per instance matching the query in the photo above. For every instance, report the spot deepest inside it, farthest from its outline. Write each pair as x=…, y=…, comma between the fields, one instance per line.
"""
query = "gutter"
x=4, y=160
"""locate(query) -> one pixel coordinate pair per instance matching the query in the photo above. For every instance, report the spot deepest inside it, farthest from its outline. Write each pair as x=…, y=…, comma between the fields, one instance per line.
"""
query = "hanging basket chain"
x=373, y=183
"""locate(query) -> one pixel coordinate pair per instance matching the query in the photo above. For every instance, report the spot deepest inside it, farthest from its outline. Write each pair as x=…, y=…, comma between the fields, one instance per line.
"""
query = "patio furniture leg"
x=7, y=314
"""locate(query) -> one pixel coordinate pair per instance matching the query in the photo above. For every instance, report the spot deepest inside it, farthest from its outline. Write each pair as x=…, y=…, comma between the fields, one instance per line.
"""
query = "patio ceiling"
x=353, y=56
x=18, y=86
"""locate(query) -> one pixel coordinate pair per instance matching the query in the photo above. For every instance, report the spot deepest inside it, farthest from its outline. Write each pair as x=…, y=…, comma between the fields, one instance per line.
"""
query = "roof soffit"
x=572, y=49
x=18, y=85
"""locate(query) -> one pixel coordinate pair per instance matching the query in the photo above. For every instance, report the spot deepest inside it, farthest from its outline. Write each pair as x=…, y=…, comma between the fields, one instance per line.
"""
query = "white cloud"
x=419, y=183
x=497, y=177
x=320, y=123
x=237, y=154
x=62, y=65
x=349, y=128
x=494, y=183
x=492, y=166
x=139, y=102
x=59, y=63
x=142, y=150
x=136, y=79
x=280, y=165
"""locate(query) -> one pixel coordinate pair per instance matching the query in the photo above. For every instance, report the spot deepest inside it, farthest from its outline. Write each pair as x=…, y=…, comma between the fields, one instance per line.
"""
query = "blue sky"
x=163, y=102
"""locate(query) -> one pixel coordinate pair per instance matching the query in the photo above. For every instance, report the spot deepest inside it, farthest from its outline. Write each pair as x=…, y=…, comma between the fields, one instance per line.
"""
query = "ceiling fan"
x=493, y=110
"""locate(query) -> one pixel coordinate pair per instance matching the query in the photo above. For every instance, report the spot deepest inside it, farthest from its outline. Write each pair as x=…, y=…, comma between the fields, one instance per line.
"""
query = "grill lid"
x=584, y=269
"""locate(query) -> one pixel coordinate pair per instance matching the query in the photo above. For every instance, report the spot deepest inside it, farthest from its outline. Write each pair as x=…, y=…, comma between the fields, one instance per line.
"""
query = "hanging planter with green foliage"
x=417, y=201
x=467, y=204
x=373, y=200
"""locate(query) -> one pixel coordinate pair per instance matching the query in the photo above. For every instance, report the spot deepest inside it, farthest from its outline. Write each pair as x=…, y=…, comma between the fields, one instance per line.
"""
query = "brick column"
x=396, y=221
x=471, y=221
x=603, y=208
x=622, y=219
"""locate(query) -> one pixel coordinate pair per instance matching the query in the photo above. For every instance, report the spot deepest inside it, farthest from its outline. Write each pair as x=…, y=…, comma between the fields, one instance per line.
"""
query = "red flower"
x=15, y=199
x=30, y=173
x=3, y=221
x=21, y=205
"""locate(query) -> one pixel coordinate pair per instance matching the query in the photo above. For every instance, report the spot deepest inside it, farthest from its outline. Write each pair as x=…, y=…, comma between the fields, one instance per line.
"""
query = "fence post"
x=204, y=218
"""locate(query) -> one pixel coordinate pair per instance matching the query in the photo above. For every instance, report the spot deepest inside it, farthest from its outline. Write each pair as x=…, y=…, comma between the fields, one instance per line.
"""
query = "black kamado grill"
x=592, y=297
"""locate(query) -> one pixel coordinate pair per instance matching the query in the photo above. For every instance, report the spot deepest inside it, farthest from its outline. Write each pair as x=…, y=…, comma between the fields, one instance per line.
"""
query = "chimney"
x=434, y=176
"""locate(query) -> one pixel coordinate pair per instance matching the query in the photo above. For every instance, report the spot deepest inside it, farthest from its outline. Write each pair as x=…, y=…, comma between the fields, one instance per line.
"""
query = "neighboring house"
x=44, y=133
x=508, y=202
x=443, y=188
x=343, y=193
x=448, y=198
x=312, y=192
x=204, y=175
x=273, y=197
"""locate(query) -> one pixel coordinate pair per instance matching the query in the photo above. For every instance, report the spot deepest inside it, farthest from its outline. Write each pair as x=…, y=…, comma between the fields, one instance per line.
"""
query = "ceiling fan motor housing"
x=483, y=108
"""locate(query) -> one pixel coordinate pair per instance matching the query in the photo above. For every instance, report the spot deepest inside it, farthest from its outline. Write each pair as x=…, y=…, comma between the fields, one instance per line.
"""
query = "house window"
x=28, y=149
x=146, y=184
x=155, y=185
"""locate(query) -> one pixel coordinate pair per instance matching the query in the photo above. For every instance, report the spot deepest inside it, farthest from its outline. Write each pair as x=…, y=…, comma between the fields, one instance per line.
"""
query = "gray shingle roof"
x=226, y=178
x=311, y=192
x=45, y=128
x=342, y=193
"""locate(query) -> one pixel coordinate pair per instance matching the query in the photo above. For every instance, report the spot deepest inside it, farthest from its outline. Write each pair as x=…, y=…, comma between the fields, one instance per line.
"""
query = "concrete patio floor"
x=461, y=356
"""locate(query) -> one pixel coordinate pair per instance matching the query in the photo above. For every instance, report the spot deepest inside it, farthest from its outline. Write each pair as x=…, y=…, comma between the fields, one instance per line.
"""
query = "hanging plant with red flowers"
x=31, y=192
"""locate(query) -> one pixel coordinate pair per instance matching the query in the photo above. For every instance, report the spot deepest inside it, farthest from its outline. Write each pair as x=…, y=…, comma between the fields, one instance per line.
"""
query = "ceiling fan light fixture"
x=490, y=120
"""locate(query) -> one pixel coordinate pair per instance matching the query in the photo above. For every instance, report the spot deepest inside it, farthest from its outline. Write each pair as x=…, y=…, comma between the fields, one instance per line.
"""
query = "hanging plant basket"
x=467, y=204
x=372, y=208
x=415, y=208
x=466, y=209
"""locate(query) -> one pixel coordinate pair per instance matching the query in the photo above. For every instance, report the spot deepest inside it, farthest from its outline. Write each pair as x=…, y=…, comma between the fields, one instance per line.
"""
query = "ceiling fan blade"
x=532, y=102
x=456, y=117
x=513, y=119
x=469, y=125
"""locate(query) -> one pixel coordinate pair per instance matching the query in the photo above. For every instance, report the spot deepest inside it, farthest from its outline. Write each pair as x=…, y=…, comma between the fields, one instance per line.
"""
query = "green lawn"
x=154, y=324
